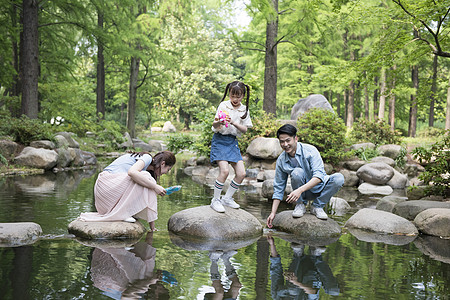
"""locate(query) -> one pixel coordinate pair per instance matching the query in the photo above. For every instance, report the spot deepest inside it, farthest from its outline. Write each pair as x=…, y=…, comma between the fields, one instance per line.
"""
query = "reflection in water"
x=305, y=276
x=128, y=273
x=230, y=272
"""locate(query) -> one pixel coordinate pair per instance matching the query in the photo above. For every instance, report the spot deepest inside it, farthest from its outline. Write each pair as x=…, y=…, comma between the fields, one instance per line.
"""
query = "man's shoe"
x=319, y=213
x=299, y=210
x=229, y=202
x=217, y=205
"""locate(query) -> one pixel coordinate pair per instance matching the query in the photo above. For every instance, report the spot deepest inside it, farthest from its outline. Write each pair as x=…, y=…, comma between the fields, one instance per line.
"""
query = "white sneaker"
x=130, y=220
x=318, y=251
x=319, y=213
x=216, y=204
x=229, y=202
x=215, y=255
x=299, y=210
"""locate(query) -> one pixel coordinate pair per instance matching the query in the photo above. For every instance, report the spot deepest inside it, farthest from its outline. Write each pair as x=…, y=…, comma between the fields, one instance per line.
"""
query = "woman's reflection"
x=129, y=273
x=305, y=276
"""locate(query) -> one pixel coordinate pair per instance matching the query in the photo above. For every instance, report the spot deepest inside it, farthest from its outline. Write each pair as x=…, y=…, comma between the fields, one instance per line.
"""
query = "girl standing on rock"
x=231, y=121
x=127, y=188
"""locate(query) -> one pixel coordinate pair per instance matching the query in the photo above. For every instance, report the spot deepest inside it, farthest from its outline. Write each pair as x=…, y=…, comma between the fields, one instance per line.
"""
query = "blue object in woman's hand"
x=172, y=189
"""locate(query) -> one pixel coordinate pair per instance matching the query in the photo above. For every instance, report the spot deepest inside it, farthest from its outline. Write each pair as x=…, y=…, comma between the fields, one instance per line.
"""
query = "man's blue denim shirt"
x=309, y=160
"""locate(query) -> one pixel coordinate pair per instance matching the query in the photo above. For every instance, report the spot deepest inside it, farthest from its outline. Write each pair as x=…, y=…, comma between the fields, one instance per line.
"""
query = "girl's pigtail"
x=246, y=102
x=226, y=91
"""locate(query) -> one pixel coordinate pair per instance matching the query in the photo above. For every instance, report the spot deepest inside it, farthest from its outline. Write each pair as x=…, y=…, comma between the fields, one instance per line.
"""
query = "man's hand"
x=270, y=219
x=294, y=196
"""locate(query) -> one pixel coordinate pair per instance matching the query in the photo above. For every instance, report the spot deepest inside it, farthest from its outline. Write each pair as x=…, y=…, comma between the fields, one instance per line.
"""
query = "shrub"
x=24, y=130
x=203, y=123
x=178, y=142
x=366, y=153
x=158, y=123
x=264, y=125
x=437, y=166
x=377, y=132
x=326, y=131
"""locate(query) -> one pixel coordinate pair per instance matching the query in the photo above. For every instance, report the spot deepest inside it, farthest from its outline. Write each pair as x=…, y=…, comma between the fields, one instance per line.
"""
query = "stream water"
x=60, y=267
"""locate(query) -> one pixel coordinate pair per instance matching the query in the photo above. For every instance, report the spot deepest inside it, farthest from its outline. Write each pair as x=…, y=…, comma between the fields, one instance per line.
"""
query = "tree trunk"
x=366, y=102
x=413, y=108
x=447, y=112
x=351, y=105
x=270, y=72
x=338, y=105
x=375, y=100
x=392, y=101
x=382, y=105
x=433, y=92
x=100, y=72
x=29, y=59
x=131, y=114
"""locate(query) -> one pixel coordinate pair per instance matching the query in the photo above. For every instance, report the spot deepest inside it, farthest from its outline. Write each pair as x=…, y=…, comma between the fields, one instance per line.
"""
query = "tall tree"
x=29, y=58
x=100, y=69
x=270, y=62
x=433, y=91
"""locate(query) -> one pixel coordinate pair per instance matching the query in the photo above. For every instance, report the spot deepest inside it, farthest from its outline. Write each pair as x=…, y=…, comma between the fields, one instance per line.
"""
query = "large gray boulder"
x=306, y=227
x=398, y=181
x=106, y=230
x=434, y=221
x=410, y=209
x=339, y=206
x=387, y=203
x=19, y=234
x=362, y=146
x=157, y=145
x=46, y=144
x=305, y=104
x=354, y=164
x=371, y=189
x=382, y=222
x=84, y=158
x=390, y=150
x=265, y=148
x=8, y=148
x=383, y=159
x=69, y=137
x=138, y=143
x=375, y=173
x=37, y=158
x=169, y=127
x=350, y=177
x=203, y=222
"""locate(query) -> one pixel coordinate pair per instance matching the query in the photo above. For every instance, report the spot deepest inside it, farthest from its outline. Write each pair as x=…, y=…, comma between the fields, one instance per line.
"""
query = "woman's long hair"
x=163, y=156
x=238, y=88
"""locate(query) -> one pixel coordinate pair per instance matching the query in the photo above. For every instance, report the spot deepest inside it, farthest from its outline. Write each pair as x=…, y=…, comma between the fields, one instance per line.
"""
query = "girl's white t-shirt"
x=235, y=115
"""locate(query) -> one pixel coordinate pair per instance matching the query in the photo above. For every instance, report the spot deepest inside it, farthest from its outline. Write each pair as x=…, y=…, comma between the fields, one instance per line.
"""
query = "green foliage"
x=204, y=119
x=377, y=132
x=109, y=132
x=366, y=153
x=24, y=130
x=437, y=166
x=264, y=125
x=178, y=142
x=3, y=160
x=158, y=123
x=430, y=132
x=400, y=160
x=326, y=131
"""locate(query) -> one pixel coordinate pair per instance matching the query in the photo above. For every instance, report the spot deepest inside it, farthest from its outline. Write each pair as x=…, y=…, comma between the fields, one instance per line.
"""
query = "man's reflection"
x=128, y=273
x=230, y=272
x=305, y=276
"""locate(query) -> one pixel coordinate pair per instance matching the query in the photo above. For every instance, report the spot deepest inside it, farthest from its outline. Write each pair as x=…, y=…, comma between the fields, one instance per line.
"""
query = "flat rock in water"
x=203, y=222
x=106, y=230
x=410, y=209
x=306, y=227
x=382, y=222
x=19, y=234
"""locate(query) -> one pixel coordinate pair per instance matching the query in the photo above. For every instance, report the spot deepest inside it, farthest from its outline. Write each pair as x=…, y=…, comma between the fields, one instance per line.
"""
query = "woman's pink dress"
x=118, y=197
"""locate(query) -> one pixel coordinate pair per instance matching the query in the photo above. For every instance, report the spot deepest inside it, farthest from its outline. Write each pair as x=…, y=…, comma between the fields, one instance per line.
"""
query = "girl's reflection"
x=219, y=291
x=123, y=273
